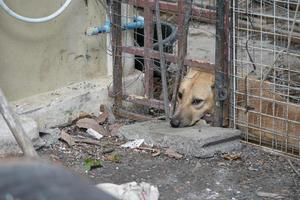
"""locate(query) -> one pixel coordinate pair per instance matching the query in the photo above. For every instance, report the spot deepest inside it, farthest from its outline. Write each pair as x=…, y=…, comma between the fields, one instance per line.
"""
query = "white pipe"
x=35, y=20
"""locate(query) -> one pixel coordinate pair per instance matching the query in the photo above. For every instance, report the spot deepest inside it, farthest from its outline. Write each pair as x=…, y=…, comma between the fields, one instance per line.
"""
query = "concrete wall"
x=36, y=58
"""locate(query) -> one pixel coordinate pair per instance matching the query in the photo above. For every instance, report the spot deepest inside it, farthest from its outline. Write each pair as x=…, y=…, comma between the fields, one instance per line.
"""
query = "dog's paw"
x=202, y=123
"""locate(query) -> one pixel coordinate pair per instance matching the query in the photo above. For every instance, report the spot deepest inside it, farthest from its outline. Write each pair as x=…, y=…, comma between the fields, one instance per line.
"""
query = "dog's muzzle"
x=175, y=123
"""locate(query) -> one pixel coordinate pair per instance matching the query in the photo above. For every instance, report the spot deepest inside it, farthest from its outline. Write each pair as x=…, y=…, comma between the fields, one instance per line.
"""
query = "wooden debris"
x=87, y=123
x=154, y=152
x=67, y=138
x=106, y=115
x=88, y=141
x=173, y=154
x=232, y=157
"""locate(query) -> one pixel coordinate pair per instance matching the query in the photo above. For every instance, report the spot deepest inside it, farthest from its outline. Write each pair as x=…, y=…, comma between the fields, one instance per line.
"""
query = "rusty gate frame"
x=220, y=17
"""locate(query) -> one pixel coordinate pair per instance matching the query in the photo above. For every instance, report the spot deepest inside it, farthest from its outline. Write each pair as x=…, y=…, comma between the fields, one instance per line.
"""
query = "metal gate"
x=183, y=12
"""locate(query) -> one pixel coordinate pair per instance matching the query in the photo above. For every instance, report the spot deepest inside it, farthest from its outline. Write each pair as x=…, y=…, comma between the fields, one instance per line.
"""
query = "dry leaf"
x=114, y=158
x=173, y=154
x=67, y=138
x=91, y=123
x=104, y=115
x=232, y=156
x=156, y=153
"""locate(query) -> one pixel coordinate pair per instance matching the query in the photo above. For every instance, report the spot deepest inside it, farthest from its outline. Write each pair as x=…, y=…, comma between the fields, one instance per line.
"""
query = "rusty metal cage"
x=266, y=72
x=182, y=14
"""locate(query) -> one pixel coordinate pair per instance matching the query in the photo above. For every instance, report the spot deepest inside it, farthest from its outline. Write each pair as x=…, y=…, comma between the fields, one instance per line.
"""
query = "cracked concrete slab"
x=194, y=141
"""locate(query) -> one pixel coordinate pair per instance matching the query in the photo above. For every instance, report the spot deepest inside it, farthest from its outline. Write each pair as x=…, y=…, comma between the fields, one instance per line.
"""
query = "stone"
x=49, y=136
x=8, y=144
x=197, y=141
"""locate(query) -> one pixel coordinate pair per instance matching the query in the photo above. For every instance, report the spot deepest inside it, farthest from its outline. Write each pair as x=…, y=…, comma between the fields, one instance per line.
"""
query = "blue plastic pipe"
x=138, y=23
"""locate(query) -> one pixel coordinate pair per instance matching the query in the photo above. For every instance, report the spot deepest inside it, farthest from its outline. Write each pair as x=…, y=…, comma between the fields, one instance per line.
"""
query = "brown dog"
x=270, y=120
x=195, y=98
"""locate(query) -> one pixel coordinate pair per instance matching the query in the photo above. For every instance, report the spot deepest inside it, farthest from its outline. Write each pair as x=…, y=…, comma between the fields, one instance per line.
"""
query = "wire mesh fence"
x=266, y=69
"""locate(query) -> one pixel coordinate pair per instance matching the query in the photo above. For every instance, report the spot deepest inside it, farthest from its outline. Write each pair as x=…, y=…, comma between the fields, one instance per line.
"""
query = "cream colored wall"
x=36, y=58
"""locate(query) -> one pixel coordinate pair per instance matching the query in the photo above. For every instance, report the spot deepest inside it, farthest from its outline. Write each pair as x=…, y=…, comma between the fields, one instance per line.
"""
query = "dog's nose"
x=175, y=123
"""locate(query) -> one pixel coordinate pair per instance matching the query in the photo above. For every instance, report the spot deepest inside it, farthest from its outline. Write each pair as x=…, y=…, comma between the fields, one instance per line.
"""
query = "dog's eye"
x=197, y=101
x=179, y=95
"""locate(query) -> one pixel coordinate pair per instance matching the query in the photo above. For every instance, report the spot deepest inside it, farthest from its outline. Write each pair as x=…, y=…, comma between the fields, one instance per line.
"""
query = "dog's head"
x=195, y=98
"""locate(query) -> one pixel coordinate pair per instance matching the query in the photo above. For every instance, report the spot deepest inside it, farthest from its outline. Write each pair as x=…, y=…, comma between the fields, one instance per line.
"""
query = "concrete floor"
x=198, y=141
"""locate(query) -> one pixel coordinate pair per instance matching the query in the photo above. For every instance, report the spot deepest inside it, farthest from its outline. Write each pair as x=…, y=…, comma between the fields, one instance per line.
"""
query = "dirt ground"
x=252, y=174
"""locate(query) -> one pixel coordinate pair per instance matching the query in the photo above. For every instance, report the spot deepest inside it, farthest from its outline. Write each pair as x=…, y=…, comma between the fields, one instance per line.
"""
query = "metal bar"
x=226, y=82
x=117, y=53
x=263, y=129
x=266, y=31
x=201, y=14
x=273, y=151
x=162, y=61
x=154, y=103
x=264, y=65
x=264, y=98
x=148, y=44
x=254, y=14
x=292, y=122
x=16, y=128
x=184, y=9
x=141, y=3
x=232, y=68
x=130, y=115
x=221, y=59
x=201, y=65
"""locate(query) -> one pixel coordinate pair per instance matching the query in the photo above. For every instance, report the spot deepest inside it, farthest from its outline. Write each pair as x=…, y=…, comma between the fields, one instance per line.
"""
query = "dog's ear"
x=191, y=73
